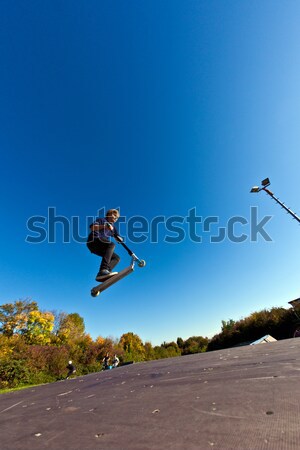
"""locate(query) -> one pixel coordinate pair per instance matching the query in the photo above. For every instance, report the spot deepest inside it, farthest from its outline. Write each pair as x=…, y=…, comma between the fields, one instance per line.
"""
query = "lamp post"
x=264, y=184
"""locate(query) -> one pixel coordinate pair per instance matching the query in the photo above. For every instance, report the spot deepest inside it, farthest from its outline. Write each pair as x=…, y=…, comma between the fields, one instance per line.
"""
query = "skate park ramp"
x=238, y=398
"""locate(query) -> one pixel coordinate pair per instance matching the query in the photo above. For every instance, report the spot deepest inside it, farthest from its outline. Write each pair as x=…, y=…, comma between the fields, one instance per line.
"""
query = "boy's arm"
x=97, y=226
x=115, y=233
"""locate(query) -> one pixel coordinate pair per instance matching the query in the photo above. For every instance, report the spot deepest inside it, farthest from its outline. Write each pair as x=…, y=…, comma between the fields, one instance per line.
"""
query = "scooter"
x=95, y=291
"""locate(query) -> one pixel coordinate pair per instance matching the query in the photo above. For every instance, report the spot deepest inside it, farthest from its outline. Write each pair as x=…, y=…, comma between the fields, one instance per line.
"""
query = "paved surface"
x=240, y=398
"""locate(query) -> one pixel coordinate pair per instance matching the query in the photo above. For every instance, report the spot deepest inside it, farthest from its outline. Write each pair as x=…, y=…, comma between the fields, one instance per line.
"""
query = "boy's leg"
x=109, y=258
x=114, y=260
x=106, y=250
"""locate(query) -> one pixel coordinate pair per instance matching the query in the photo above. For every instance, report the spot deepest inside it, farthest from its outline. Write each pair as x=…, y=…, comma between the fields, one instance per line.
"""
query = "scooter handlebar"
x=141, y=262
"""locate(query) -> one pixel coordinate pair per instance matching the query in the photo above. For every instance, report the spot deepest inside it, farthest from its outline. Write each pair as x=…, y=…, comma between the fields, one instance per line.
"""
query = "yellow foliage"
x=100, y=340
x=39, y=327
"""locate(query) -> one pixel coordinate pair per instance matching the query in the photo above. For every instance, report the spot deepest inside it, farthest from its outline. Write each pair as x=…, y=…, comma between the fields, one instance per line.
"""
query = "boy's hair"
x=113, y=211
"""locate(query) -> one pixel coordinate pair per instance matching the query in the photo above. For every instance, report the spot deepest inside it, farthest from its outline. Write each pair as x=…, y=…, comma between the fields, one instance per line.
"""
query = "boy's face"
x=112, y=217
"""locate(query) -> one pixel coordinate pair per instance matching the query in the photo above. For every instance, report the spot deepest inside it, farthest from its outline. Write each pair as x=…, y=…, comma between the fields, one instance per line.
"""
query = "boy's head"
x=112, y=215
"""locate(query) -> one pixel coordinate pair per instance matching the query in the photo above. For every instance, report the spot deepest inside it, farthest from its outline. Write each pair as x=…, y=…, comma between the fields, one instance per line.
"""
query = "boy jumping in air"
x=99, y=242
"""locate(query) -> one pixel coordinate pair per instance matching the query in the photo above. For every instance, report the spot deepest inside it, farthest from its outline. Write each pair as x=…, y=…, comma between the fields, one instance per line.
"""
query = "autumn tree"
x=149, y=351
x=39, y=327
x=172, y=349
x=70, y=327
x=166, y=350
x=194, y=344
x=14, y=316
x=277, y=322
x=228, y=325
x=133, y=347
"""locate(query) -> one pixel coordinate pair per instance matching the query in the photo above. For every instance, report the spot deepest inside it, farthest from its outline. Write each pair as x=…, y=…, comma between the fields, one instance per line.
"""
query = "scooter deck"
x=112, y=280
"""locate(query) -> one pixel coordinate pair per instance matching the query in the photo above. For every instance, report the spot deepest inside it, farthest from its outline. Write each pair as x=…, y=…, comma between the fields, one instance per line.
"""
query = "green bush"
x=13, y=373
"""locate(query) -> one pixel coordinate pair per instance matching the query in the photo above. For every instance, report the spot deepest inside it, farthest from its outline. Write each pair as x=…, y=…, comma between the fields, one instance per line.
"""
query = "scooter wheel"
x=142, y=263
x=94, y=293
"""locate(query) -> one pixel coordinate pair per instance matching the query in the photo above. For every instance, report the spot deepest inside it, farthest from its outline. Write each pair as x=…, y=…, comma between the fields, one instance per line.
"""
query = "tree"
x=228, y=325
x=194, y=344
x=168, y=350
x=133, y=347
x=70, y=327
x=180, y=342
x=14, y=316
x=149, y=351
x=277, y=322
x=39, y=327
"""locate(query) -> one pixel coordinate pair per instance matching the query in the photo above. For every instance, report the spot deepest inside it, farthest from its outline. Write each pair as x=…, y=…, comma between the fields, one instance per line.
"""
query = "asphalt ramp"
x=238, y=398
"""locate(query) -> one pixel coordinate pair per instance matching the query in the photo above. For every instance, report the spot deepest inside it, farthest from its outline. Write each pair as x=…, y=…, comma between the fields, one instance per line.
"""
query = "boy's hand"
x=109, y=226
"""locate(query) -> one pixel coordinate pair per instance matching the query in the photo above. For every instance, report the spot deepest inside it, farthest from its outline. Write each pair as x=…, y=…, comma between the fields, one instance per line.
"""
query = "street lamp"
x=264, y=184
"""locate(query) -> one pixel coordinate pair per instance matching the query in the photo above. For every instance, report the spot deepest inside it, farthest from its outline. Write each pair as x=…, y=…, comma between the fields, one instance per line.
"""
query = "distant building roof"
x=264, y=339
x=295, y=302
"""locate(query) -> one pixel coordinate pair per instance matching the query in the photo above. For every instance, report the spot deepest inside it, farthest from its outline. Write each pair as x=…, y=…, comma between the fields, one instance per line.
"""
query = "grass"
x=18, y=388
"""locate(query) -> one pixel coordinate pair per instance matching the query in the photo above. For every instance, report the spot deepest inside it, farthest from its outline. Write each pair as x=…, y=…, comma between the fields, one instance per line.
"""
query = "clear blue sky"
x=157, y=108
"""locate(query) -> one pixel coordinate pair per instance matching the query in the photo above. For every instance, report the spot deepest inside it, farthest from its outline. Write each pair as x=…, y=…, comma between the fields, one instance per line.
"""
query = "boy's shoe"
x=104, y=275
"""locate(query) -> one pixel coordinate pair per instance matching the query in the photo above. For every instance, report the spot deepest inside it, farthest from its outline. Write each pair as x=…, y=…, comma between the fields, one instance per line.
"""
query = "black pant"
x=106, y=250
